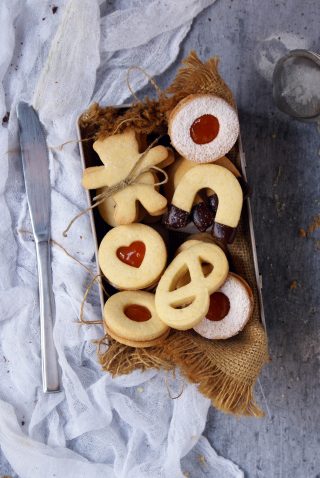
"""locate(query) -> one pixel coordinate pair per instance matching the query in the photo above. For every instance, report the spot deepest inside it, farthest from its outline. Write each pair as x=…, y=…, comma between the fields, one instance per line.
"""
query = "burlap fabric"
x=224, y=370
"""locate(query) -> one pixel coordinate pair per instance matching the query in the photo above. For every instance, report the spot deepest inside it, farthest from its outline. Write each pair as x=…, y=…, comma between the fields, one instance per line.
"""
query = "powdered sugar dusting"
x=301, y=86
x=238, y=315
x=184, y=117
x=271, y=49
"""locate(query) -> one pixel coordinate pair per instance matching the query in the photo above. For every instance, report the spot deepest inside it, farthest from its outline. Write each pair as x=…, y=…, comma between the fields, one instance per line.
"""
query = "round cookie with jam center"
x=130, y=318
x=203, y=127
x=230, y=309
x=132, y=256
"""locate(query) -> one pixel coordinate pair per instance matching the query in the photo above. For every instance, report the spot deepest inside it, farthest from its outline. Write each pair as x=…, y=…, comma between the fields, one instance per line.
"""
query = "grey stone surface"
x=284, y=170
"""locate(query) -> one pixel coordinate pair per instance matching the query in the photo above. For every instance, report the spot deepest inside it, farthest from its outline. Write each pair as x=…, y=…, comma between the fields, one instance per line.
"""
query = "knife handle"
x=50, y=369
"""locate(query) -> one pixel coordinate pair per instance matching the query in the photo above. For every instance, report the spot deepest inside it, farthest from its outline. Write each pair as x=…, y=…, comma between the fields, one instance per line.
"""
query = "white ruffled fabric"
x=97, y=426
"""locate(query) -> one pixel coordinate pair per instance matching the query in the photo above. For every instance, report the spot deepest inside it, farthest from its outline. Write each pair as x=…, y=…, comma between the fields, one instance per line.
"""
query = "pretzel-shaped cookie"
x=186, y=306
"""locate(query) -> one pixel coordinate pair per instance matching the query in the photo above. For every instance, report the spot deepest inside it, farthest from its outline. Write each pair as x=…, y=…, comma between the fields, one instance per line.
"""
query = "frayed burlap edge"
x=196, y=76
x=119, y=359
x=225, y=392
x=150, y=115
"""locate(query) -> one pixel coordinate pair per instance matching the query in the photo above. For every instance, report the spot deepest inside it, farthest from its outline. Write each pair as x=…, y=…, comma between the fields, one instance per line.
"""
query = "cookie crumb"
x=140, y=389
x=43, y=18
x=6, y=117
x=302, y=232
x=22, y=423
x=315, y=225
x=54, y=9
x=280, y=206
x=274, y=135
x=202, y=459
x=276, y=180
x=293, y=285
x=186, y=474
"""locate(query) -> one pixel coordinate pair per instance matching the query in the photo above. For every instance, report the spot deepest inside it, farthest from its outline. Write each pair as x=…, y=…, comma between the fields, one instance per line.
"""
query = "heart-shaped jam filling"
x=132, y=255
x=137, y=312
x=219, y=307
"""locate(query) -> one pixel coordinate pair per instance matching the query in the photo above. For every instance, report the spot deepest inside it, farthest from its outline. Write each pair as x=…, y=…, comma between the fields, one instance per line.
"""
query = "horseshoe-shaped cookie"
x=186, y=306
x=181, y=165
x=227, y=200
x=131, y=318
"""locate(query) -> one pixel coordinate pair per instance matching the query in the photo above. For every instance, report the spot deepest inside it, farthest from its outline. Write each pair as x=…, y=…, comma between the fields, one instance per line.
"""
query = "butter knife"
x=35, y=162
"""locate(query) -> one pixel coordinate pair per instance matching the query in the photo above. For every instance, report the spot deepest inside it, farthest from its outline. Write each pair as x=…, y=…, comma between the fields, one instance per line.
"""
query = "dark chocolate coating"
x=176, y=217
x=224, y=233
x=213, y=202
x=202, y=216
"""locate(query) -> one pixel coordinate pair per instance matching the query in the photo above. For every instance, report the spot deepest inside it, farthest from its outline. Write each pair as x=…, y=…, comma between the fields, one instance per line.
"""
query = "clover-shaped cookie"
x=119, y=154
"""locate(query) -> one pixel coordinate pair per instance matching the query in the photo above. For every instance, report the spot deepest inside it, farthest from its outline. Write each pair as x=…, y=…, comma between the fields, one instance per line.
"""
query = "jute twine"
x=135, y=172
x=95, y=278
x=132, y=178
x=99, y=277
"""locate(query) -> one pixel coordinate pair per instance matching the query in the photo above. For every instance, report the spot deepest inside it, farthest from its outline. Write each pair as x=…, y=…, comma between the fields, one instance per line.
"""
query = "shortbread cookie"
x=230, y=309
x=107, y=210
x=132, y=256
x=226, y=202
x=130, y=318
x=208, y=237
x=182, y=165
x=120, y=154
x=137, y=343
x=142, y=193
x=127, y=206
x=203, y=127
x=195, y=239
x=182, y=308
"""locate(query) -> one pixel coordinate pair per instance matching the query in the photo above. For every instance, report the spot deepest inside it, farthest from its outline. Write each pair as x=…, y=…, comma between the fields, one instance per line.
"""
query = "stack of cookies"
x=164, y=278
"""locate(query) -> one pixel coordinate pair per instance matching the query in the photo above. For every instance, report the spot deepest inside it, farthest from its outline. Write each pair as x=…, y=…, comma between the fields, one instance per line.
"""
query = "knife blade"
x=35, y=163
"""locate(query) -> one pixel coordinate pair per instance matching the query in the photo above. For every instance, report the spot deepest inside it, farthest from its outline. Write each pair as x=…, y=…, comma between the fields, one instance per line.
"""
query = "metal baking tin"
x=87, y=160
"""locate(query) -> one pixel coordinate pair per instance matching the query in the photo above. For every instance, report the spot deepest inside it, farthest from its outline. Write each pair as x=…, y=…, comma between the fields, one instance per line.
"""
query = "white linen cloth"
x=61, y=60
